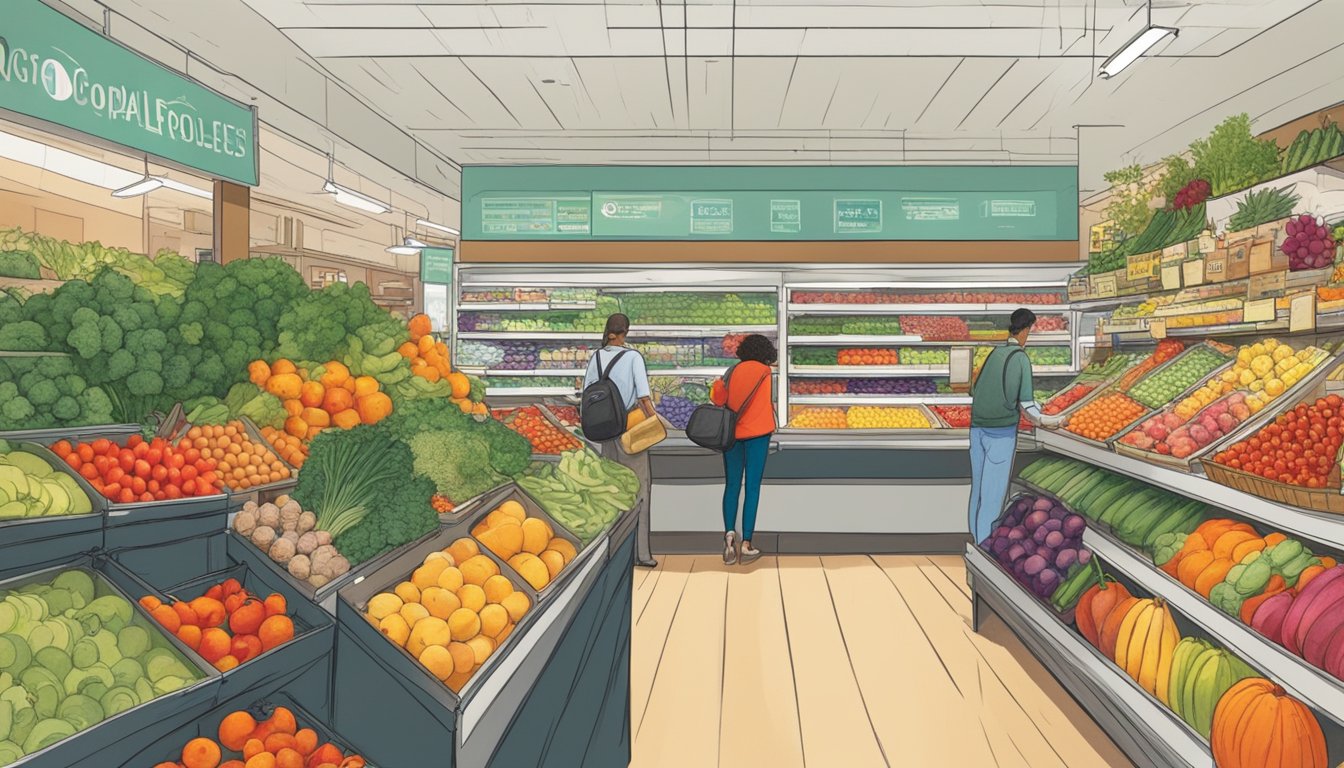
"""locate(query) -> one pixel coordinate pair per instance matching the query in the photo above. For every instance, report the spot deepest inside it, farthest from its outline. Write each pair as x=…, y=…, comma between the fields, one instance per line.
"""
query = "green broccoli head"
x=95, y=407
x=43, y=393
x=23, y=336
x=65, y=409
x=17, y=412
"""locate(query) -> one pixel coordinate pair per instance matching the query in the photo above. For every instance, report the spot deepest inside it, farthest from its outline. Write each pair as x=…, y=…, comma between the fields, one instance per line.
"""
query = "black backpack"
x=602, y=409
x=715, y=426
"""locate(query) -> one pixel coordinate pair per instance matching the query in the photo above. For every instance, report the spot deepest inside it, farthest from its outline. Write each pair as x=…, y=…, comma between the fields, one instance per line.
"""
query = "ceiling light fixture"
x=439, y=227
x=409, y=247
x=1137, y=46
x=349, y=197
x=173, y=184
x=63, y=163
x=142, y=187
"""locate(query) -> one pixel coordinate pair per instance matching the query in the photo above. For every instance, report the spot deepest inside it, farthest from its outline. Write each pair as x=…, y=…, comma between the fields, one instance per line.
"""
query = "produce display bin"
x=35, y=541
x=1316, y=499
x=1189, y=462
x=314, y=629
x=49, y=436
x=169, y=748
x=512, y=492
x=505, y=707
x=239, y=497
x=110, y=741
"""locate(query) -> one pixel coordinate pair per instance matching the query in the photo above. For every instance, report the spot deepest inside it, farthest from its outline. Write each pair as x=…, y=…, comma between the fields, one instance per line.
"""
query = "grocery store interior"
x=972, y=393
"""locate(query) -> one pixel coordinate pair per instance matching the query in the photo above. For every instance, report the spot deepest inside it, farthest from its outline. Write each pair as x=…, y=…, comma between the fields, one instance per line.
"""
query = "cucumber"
x=1135, y=502
x=1314, y=147
x=1109, y=499
x=1296, y=152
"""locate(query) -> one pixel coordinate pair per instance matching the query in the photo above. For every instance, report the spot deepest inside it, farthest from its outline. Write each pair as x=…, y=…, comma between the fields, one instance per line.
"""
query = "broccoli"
x=458, y=464
x=44, y=392
x=23, y=336
x=405, y=517
x=65, y=409
x=17, y=411
x=315, y=327
x=510, y=453
x=95, y=407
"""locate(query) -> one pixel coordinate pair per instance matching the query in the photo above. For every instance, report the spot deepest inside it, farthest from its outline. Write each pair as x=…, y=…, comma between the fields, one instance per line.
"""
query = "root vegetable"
x=307, y=543
x=323, y=538
x=270, y=515
x=263, y=536
x=318, y=580
x=339, y=566
x=307, y=522
x=300, y=567
x=282, y=550
x=244, y=522
x=289, y=515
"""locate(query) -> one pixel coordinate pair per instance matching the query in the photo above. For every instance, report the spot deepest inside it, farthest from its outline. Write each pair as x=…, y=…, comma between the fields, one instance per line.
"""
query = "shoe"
x=650, y=563
x=730, y=548
x=749, y=553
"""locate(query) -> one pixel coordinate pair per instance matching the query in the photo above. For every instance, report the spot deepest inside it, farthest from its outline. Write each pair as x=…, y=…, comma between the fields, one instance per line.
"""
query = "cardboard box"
x=1206, y=242
x=1078, y=287
x=1267, y=285
x=1264, y=258
x=1238, y=260
x=1103, y=286
x=1192, y=272
x=1215, y=266
x=1177, y=251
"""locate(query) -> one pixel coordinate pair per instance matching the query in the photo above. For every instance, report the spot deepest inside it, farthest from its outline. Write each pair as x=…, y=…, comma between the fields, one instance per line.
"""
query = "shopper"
x=632, y=380
x=1002, y=390
x=747, y=392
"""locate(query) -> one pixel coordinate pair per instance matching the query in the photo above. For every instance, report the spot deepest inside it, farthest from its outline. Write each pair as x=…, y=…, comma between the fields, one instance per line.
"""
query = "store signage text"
x=56, y=70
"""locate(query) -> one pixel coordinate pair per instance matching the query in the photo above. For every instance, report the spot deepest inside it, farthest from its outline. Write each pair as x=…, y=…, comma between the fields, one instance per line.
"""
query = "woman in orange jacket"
x=748, y=392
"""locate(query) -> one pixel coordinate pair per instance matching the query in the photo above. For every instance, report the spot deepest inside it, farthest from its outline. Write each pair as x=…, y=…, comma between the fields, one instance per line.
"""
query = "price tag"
x=1302, y=312
x=959, y=366
x=1261, y=311
x=1157, y=328
x=1103, y=286
x=1171, y=277
x=1193, y=272
x=1142, y=266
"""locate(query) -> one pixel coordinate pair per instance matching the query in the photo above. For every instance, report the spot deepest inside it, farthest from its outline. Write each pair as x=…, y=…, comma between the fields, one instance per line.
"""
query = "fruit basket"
x=1207, y=429
x=539, y=538
x=1316, y=499
x=30, y=540
x=147, y=683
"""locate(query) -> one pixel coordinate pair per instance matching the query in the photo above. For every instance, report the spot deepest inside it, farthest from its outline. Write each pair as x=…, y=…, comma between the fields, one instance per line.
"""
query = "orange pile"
x=867, y=357
x=1105, y=416
x=276, y=742
x=333, y=399
x=227, y=625
x=290, y=448
x=240, y=463
x=429, y=359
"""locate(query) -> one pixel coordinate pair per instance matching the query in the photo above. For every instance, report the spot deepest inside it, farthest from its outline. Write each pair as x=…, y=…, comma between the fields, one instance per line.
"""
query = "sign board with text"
x=436, y=266
x=54, y=69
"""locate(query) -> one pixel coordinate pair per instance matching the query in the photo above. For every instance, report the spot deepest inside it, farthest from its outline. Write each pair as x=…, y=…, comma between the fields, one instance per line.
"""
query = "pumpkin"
x=286, y=386
x=1095, y=604
x=1227, y=543
x=419, y=326
x=336, y=399
x=346, y=419
x=1213, y=529
x=1257, y=725
x=258, y=372
x=311, y=394
x=1110, y=628
x=460, y=383
x=1211, y=576
x=373, y=408
x=1145, y=644
x=365, y=385
x=283, y=366
x=334, y=374
x=1193, y=543
x=1193, y=565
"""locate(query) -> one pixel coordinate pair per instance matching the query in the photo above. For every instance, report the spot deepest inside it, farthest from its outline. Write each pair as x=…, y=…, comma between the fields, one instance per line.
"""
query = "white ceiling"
x=860, y=81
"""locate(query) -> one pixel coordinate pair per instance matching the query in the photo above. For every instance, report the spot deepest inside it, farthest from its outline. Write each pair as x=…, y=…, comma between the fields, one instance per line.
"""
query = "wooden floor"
x=849, y=660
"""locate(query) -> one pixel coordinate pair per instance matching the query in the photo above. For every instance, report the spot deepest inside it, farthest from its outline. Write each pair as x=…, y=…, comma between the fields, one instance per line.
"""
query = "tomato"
x=134, y=440
x=85, y=452
x=172, y=492
x=154, y=455
x=73, y=461
x=189, y=487
x=88, y=471
x=177, y=461
x=140, y=450
x=126, y=460
x=100, y=445
x=142, y=468
x=125, y=496
x=137, y=485
x=114, y=474
x=174, y=475
x=159, y=473
x=153, y=486
x=188, y=473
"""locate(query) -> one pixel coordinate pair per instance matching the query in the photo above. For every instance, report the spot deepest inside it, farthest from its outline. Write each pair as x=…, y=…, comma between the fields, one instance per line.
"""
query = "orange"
x=226, y=663
x=245, y=647
x=252, y=748
x=275, y=603
x=191, y=635
x=261, y=760
x=306, y=741
x=201, y=753
x=276, y=630
x=150, y=602
x=209, y=612
x=167, y=617
x=215, y=644
x=247, y=619
x=288, y=758
x=232, y=764
x=278, y=741
x=235, y=729
x=185, y=614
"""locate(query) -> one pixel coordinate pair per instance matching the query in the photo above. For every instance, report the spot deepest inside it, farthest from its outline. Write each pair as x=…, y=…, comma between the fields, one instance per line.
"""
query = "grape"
x=1035, y=520
x=1015, y=552
x=1053, y=524
x=1053, y=539
x=1048, y=580
x=1066, y=558
x=1034, y=565
x=1084, y=556
x=1074, y=525
x=1017, y=533
x=1058, y=512
x=1039, y=534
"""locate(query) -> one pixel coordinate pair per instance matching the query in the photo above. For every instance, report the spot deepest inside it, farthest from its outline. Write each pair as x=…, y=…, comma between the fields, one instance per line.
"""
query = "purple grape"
x=1052, y=524
x=1034, y=565
x=1035, y=519
x=1084, y=556
x=1042, y=505
x=1054, y=539
x=1048, y=579
x=1017, y=533
x=1000, y=532
x=1016, y=552
x=1058, y=512
x=1074, y=525
x=1000, y=547
x=1066, y=558
x=1021, y=506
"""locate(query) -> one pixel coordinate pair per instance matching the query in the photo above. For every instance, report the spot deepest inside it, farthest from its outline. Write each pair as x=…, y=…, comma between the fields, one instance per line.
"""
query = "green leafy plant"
x=1263, y=206
x=1231, y=158
x=1177, y=172
x=1130, y=199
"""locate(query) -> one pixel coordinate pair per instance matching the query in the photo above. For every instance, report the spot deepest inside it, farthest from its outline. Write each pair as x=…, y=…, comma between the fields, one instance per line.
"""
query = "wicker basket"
x=1316, y=499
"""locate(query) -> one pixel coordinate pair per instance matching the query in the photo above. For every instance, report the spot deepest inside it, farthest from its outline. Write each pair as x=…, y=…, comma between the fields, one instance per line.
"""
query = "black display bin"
x=35, y=542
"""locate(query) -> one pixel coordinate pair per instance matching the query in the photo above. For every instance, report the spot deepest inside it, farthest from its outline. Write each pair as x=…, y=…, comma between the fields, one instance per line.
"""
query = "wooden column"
x=231, y=228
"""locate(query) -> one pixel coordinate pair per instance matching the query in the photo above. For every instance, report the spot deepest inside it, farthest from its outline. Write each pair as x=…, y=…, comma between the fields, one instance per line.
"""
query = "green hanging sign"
x=52, y=68
x=436, y=266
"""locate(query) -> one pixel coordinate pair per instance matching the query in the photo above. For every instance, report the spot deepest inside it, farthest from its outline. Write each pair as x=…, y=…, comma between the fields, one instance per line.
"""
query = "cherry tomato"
x=125, y=496
x=61, y=448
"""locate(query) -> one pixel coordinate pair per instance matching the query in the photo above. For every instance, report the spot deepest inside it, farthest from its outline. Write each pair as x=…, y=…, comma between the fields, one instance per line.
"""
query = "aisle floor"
x=847, y=660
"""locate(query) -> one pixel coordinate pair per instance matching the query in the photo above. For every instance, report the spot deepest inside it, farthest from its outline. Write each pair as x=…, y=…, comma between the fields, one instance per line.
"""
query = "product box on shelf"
x=1192, y=271
x=419, y=714
x=33, y=541
x=1238, y=259
x=1177, y=252
x=1104, y=285
x=105, y=741
x=1215, y=266
x=314, y=629
x=1267, y=285
x=260, y=707
x=1078, y=288
x=1264, y=257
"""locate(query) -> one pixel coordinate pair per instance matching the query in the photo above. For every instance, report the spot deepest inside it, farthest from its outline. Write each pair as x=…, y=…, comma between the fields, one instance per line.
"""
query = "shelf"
x=887, y=440
x=701, y=371
x=846, y=399
x=1323, y=528
x=1145, y=730
x=923, y=309
x=636, y=332
x=528, y=391
x=919, y=341
x=1313, y=686
x=513, y=306
x=866, y=371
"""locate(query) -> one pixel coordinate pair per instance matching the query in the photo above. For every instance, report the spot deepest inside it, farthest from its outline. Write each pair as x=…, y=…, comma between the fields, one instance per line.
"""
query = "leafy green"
x=1261, y=207
x=316, y=325
x=20, y=265
x=458, y=464
x=47, y=392
x=1177, y=172
x=1231, y=158
x=1130, y=196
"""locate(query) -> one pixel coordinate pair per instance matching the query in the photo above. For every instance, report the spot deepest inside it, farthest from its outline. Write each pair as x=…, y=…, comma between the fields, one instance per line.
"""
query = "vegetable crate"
x=413, y=713
x=110, y=741
x=49, y=436
x=169, y=748
x=1328, y=499
x=314, y=629
x=243, y=550
x=511, y=492
x=239, y=497
x=32, y=541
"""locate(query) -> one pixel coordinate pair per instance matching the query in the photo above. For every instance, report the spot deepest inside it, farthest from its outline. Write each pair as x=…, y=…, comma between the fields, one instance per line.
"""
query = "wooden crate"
x=1316, y=499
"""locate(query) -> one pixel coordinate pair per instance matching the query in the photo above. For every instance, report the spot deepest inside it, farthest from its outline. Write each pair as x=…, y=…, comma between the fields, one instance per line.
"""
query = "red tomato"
x=125, y=496
x=174, y=475
x=140, y=450
x=189, y=487
x=134, y=441
x=159, y=472
x=146, y=496
x=111, y=490
x=88, y=471
x=154, y=455
x=126, y=460
x=176, y=461
x=191, y=455
x=73, y=461
x=100, y=445
x=152, y=486
x=142, y=468
x=137, y=485
x=189, y=473
x=173, y=492
x=85, y=452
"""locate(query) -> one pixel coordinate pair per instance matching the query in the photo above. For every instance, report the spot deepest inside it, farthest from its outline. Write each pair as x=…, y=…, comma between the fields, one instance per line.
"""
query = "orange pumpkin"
x=334, y=374
x=1257, y=725
x=1192, y=565
x=283, y=366
x=1095, y=605
x=336, y=400
x=460, y=383
x=1210, y=577
x=1211, y=530
x=1228, y=542
x=258, y=372
x=419, y=326
x=1193, y=543
x=286, y=386
x=373, y=408
x=311, y=393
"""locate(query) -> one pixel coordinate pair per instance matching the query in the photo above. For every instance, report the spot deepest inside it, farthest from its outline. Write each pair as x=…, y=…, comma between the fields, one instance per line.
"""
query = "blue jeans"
x=992, y=451
x=746, y=456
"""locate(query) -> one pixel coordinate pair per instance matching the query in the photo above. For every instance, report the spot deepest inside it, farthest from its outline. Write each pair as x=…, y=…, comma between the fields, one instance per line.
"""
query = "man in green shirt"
x=1002, y=391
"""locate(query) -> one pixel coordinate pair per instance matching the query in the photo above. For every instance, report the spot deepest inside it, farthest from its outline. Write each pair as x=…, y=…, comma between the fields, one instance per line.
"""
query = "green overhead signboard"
x=769, y=203
x=436, y=266
x=54, y=69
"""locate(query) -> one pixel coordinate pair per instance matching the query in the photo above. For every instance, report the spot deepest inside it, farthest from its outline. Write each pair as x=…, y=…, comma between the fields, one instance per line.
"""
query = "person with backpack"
x=615, y=384
x=745, y=390
x=1001, y=392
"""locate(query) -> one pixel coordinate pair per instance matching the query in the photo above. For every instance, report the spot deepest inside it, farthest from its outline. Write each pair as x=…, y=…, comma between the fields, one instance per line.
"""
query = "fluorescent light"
x=64, y=163
x=178, y=186
x=142, y=187
x=347, y=196
x=409, y=247
x=440, y=227
x=1135, y=48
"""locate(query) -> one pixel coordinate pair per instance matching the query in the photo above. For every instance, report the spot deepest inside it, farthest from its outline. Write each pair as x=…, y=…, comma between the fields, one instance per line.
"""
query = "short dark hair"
x=1022, y=319
x=757, y=347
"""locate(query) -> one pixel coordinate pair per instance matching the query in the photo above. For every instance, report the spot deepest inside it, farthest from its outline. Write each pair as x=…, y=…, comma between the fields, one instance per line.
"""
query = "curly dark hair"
x=757, y=347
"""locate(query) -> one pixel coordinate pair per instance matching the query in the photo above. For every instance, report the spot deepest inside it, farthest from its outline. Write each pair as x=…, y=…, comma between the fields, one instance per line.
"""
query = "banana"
x=1127, y=632
x=1166, y=649
x=1152, y=650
